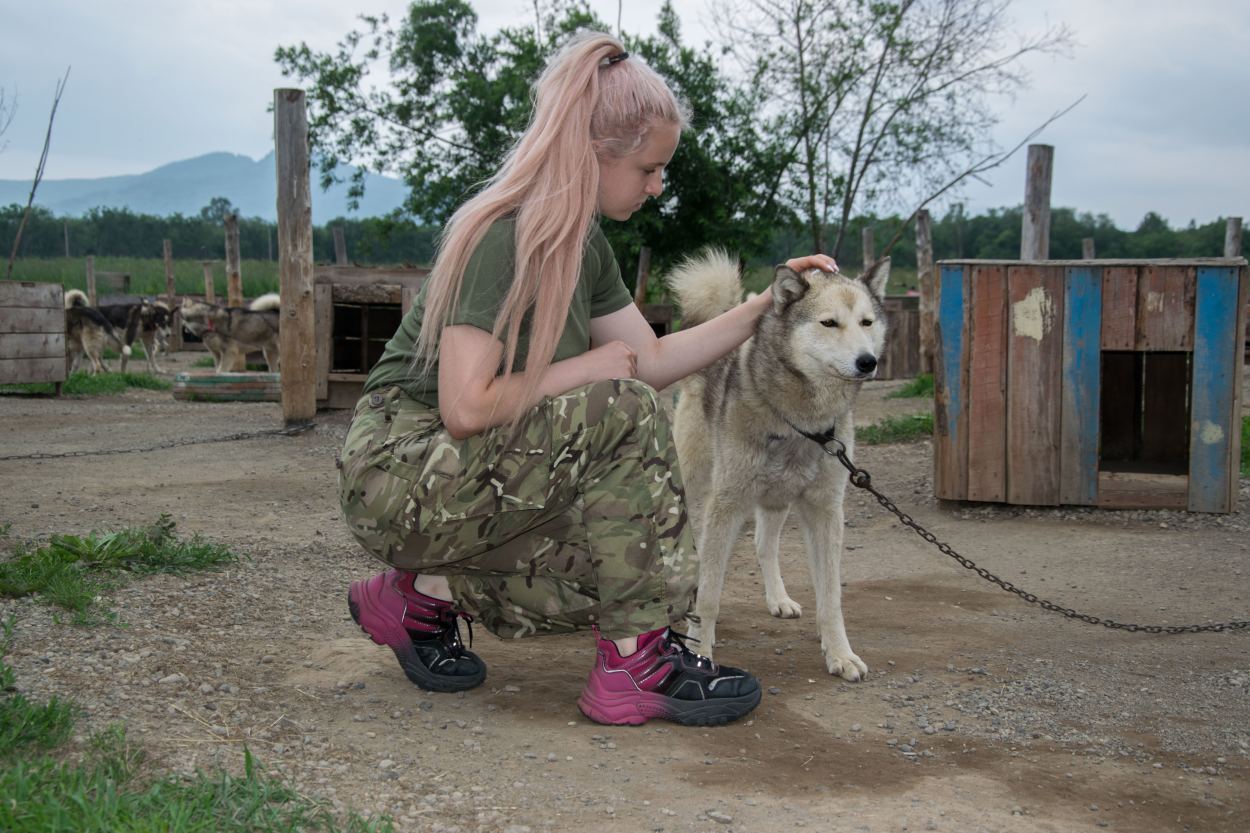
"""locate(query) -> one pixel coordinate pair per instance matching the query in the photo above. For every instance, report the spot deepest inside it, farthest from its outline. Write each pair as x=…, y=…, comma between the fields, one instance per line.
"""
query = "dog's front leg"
x=722, y=521
x=822, y=530
x=768, y=526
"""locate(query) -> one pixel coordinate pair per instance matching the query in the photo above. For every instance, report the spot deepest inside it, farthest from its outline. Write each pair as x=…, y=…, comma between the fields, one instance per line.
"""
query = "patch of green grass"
x=920, y=387
x=72, y=571
x=147, y=274
x=898, y=429
x=24, y=724
x=109, y=788
x=81, y=383
x=1245, y=446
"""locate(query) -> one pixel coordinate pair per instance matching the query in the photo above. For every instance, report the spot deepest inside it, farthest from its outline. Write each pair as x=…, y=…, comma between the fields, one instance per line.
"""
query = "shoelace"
x=451, y=630
x=680, y=640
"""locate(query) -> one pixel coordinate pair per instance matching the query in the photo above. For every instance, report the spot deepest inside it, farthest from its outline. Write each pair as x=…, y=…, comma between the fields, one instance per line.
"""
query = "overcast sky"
x=1165, y=125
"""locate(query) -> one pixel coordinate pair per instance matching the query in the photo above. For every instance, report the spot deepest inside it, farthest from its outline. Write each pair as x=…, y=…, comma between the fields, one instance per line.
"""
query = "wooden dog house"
x=32, y=333
x=1111, y=383
x=357, y=311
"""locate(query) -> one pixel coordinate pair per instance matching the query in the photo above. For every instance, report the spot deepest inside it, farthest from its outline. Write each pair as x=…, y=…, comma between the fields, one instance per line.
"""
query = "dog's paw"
x=845, y=665
x=785, y=608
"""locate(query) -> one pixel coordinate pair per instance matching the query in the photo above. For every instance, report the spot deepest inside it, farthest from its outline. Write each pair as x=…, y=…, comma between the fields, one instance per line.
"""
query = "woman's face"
x=626, y=182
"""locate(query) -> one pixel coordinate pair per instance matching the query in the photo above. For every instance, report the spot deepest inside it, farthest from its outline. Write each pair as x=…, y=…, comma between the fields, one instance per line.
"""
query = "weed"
x=80, y=383
x=897, y=429
x=920, y=387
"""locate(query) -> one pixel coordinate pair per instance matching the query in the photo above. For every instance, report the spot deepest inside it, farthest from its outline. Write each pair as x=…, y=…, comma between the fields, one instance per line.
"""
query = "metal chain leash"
x=245, y=435
x=863, y=480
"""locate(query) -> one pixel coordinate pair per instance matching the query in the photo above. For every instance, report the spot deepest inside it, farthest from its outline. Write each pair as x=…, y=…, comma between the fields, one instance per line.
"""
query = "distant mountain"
x=187, y=186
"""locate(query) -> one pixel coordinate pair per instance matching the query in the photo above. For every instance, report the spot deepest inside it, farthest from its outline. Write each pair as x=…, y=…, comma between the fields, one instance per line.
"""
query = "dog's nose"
x=866, y=363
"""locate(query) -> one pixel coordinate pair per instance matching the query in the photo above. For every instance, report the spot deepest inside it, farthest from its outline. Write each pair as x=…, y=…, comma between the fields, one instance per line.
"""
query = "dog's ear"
x=788, y=287
x=876, y=277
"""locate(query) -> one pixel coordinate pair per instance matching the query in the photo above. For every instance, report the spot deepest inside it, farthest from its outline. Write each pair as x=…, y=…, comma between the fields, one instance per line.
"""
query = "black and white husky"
x=740, y=428
x=87, y=333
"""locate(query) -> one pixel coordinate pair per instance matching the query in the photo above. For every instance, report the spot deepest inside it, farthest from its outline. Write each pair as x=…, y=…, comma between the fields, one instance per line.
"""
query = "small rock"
x=719, y=817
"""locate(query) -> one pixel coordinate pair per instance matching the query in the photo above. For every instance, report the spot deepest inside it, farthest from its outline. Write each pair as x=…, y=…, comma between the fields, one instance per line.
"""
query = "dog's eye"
x=829, y=322
x=867, y=322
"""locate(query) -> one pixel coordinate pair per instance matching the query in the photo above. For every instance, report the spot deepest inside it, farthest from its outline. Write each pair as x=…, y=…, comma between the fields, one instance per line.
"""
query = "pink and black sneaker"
x=424, y=632
x=665, y=679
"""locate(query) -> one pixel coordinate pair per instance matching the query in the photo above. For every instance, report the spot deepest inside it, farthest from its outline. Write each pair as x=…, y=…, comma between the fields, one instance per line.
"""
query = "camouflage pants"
x=576, y=518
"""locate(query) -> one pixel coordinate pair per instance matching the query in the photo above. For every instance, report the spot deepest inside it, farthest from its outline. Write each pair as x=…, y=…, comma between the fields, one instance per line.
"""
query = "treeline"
x=119, y=232
x=995, y=235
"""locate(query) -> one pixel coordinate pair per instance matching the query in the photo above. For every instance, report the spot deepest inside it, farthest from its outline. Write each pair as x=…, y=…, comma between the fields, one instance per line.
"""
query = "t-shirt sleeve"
x=487, y=279
x=608, y=292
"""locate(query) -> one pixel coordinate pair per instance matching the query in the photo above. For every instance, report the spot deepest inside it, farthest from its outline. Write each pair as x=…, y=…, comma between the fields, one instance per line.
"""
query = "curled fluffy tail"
x=705, y=285
x=75, y=298
x=268, y=301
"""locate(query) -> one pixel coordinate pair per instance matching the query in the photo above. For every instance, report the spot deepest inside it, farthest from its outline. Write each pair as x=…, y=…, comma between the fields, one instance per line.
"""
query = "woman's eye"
x=829, y=322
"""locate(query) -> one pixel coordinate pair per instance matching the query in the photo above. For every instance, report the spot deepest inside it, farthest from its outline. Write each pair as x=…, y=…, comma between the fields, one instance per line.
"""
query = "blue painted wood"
x=950, y=470
x=1216, y=344
x=1082, y=379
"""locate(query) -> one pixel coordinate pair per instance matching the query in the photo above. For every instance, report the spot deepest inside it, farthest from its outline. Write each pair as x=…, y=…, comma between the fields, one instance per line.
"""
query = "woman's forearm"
x=679, y=354
x=470, y=412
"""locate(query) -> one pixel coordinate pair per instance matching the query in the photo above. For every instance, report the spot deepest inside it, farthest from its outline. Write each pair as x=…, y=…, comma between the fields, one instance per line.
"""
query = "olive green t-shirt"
x=600, y=291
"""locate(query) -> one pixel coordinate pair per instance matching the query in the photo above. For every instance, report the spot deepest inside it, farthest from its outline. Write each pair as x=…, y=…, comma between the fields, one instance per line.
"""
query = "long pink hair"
x=583, y=106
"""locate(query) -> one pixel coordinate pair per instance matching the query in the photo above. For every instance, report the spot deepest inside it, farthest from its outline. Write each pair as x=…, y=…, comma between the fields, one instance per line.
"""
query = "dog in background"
x=229, y=332
x=148, y=322
x=87, y=333
x=742, y=429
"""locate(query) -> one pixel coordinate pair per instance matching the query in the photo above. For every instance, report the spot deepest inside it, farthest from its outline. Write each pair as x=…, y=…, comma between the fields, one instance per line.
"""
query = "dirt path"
x=980, y=712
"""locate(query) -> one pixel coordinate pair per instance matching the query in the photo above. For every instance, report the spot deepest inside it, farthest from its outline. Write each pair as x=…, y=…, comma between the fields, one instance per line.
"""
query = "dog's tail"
x=75, y=298
x=268, y=301
x=705, y=285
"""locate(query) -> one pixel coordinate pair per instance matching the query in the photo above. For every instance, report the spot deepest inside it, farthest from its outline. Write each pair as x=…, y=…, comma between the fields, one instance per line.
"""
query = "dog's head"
x=196, y=315
x=834, y=324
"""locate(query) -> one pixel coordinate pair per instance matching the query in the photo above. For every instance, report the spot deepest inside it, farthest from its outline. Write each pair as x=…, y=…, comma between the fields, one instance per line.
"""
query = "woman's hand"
x=614, y=360
x=817, y=261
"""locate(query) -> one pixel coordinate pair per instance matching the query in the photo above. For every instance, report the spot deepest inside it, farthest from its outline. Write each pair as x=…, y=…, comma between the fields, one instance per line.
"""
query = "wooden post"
x=91, y=280
x=297, y=334
x=1035, y=231
x=210, y=293
x=340, y=247
x=924, y=276
x=65, y=226
x=865, y=240
x=234, y=278
x=168, y=250
x=644, y=272
x=1232, y=237
x=1087, y=248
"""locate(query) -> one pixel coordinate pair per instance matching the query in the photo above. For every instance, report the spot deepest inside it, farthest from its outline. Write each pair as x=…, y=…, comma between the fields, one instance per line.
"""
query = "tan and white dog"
x=229, y=332
x=741, y=424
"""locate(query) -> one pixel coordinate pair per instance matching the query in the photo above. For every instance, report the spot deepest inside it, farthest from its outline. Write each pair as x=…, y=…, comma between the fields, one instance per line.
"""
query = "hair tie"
x=617, y=58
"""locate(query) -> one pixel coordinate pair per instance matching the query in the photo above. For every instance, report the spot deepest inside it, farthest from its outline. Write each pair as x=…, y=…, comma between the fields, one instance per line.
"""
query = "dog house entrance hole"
x=1144, y=412
x=360, y=335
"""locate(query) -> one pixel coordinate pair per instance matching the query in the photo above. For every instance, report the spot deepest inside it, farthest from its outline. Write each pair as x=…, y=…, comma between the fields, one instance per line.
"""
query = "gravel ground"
x=980, y=713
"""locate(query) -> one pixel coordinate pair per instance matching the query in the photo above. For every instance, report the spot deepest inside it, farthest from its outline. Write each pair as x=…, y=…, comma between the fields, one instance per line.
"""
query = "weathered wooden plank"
x=31, y=294
x=1034, y=374
x=297, y=335
x=1035, y=219
x=1082, y=365
x=21, y=371
x=32, y=320
x=901, y=357
x=323, y=312
x=1138, y=490
x=950, y=436
x=374, y=293
x=1165, y=308
x=1217, y=367
x=227, y=387
x=987, y=386
x=32, y=345
x=1119, y=307
x=364, y=276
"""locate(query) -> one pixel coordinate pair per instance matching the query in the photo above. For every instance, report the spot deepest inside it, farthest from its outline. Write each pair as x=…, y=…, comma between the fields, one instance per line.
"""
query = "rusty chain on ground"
x=863, y=480
x=245, y=435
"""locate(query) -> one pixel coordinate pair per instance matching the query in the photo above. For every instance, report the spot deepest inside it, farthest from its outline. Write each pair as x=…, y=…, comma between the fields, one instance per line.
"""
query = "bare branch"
x=43, y=161
x=987, y=163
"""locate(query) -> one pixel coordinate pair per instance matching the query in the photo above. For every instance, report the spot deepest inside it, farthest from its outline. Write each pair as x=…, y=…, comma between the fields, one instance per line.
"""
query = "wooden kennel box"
x=32, y=333
x=357, y=311
x=901, y=359
x=1111, y=383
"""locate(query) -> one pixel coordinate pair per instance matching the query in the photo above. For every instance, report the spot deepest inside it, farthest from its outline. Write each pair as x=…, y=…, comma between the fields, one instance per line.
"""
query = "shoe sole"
x=384, y=631
x=633, y=709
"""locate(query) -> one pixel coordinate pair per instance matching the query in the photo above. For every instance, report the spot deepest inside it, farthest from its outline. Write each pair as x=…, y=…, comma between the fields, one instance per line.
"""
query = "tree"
x=878, y=100
x=217, y=210
x=455, y=101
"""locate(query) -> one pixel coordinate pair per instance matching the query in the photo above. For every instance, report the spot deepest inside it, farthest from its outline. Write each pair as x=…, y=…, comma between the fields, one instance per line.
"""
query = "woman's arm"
x=472, y=397
x=662, y=361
